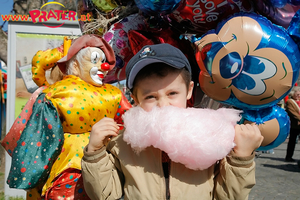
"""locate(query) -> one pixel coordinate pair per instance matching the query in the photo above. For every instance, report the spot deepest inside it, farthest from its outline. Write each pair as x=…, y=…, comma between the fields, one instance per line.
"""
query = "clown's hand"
x=101, y=133
x=247, y=138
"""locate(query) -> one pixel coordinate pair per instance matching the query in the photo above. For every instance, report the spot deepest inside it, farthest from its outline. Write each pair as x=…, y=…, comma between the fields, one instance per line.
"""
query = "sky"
x=5, y=8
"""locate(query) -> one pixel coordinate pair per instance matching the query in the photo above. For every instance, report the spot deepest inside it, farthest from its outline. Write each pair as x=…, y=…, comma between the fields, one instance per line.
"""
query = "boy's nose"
x=162, y=102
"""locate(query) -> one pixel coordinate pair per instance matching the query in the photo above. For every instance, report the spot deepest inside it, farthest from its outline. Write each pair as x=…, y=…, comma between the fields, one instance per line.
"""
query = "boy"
x=159, y=75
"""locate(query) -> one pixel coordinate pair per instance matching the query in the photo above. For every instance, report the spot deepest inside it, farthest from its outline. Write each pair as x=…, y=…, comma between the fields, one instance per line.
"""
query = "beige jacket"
x=292, y=109
x=117, y=170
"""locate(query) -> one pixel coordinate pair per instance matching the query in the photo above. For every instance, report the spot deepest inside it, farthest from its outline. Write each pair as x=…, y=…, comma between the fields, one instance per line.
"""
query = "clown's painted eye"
x=103, y=57
x=96, y=56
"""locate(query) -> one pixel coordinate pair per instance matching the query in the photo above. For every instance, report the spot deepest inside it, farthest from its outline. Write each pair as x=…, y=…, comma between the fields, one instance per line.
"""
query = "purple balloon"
x=156, y=7
x=280, y=16
x=119, y=62
x=294, y=2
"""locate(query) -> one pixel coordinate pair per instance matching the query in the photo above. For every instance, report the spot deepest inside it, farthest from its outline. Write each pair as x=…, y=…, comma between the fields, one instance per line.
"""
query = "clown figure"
x=48, y=154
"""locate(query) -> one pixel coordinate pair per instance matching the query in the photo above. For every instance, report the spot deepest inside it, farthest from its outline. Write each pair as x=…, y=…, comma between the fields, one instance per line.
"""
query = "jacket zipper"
x=166, y=167
x=169, y=188
x=164, y=179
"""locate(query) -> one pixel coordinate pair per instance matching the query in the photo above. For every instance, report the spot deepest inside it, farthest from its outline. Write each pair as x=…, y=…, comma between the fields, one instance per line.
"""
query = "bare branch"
x=22, y=7
x=3, y=46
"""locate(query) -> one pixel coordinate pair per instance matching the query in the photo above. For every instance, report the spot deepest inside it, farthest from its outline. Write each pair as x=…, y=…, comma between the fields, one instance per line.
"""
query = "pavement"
x=275, y=178
x=2, y=181
x=2, y=164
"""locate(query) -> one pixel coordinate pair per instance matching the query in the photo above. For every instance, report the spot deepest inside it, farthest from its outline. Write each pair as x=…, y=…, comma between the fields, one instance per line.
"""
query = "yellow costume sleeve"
x=42, y=61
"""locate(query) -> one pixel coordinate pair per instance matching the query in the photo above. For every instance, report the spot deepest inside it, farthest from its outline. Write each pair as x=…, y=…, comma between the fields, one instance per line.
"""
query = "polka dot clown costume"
x=47, y=157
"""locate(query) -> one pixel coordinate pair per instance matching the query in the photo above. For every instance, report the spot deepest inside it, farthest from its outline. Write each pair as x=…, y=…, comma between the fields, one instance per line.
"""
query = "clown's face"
x=90, y=66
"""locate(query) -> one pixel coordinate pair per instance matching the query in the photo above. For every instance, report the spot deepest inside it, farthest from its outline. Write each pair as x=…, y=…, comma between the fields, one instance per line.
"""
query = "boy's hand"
x=247, y=139
x=101, y=133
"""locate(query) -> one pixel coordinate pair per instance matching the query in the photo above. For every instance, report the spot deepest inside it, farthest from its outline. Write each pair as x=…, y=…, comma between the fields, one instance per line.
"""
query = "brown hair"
x=160, y=70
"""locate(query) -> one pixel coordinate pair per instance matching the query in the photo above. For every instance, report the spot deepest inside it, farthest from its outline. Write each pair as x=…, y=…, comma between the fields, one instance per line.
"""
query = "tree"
x=3, y=46
x=21, y=7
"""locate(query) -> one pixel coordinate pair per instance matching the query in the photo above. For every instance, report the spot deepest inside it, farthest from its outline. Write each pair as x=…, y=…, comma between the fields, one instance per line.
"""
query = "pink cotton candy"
x=194, y=137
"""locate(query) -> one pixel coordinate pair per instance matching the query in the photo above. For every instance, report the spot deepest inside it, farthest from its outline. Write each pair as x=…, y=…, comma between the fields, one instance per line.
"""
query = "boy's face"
x=162, y=91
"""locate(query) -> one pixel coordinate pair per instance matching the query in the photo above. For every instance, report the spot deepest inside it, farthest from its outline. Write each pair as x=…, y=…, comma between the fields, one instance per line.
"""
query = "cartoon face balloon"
x=247, y=62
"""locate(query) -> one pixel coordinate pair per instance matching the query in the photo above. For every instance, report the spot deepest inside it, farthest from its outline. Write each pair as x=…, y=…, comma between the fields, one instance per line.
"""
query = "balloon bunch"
x=243, y=53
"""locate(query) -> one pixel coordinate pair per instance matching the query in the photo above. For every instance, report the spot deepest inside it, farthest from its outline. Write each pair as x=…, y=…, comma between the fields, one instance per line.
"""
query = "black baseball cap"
x=157, y=53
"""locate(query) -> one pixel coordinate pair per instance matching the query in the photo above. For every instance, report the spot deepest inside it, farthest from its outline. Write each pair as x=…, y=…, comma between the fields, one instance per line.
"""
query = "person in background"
x=293, y=110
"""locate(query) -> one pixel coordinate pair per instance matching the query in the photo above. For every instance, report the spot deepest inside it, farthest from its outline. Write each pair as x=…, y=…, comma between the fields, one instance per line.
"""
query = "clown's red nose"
x=105, y=66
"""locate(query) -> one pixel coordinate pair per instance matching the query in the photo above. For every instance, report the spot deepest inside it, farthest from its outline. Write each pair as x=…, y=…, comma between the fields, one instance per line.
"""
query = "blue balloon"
x=156, y=7
x=294, y=29
x=247, y=62
x=274, y=122
x=278, y=3
x=294, y=2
